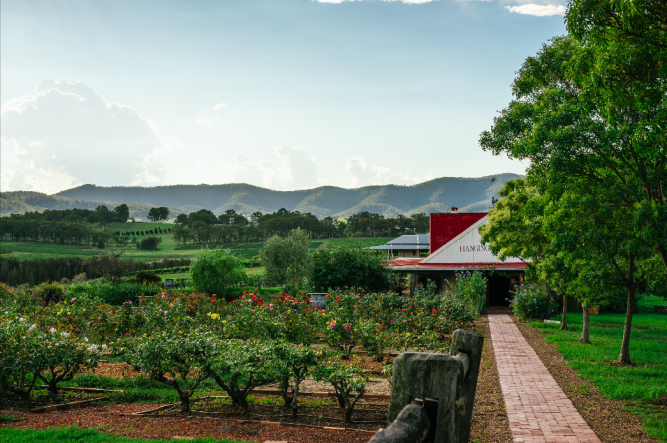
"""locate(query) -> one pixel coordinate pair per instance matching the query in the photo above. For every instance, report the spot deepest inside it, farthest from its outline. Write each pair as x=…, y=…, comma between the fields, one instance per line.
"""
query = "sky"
x=283, y=94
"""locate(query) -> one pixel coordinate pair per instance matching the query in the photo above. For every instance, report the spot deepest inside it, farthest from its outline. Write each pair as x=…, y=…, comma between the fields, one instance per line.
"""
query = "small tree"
x=113, y=266
x=150, y=243
x=177, y=355
x=65, y=355
x=298, y=363
x=341, y=265
x=348, y=382
x=215, y=270
x=286, y=259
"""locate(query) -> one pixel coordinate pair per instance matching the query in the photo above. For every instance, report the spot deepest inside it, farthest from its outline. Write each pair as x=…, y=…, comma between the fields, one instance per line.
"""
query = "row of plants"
x=181, y=339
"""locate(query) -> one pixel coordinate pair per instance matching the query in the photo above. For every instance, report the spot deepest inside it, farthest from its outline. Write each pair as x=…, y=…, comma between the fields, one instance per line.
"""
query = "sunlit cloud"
x=538, y=10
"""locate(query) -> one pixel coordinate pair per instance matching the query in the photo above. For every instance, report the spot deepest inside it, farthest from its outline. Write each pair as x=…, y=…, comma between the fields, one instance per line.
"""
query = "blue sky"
x=286, y=94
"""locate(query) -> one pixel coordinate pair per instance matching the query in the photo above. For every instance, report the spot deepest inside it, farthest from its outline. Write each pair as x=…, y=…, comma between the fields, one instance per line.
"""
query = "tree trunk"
x=585, y=338
x=547, y=289
x=624, y=357
x=348, y=414
x=563, y=321
x=185, y=403
x=295, y=394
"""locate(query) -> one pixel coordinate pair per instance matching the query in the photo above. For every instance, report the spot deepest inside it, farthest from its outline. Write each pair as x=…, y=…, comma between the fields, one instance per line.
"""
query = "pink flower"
x=88, y=323
x=118, y=339
x=348, y=327
x=171, y=305
x=165, y=312
x=9, y=291
x=73, y=300
x=332, y=325
x=357, y=297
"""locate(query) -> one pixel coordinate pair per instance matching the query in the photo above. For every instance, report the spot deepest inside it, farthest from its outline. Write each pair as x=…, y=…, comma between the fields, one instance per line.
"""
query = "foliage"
x=215, y=270
x=73, y=434
x=112, y=265
x=347, y=381
x=50, y=292
x=470, y=288
x=342, y=265
x=341, y=322
x=296, y=362
x=149, y=243
x=122, y=292
x=146, y=277
x=169, y=357
x=286, y=259
x=530, y=301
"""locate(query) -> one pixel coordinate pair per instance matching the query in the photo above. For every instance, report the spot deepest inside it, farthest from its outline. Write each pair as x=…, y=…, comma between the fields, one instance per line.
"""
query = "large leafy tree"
x=286, y=259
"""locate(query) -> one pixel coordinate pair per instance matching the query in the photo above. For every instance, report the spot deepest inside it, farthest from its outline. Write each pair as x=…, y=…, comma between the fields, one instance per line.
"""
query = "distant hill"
x=438, y=195
x=19, y=202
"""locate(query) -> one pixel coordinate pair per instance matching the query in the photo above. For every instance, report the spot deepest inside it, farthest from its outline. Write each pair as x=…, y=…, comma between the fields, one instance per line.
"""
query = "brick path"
x=537, y=408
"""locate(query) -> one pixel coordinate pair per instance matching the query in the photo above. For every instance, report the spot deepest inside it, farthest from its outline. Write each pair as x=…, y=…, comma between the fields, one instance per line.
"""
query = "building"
x=405, y=246
x=455, y=245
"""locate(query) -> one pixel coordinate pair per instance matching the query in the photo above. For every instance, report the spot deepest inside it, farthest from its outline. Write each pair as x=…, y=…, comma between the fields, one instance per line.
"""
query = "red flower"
x=337, y=297
x=403, y=310
x=328, y=295
x=433, y=309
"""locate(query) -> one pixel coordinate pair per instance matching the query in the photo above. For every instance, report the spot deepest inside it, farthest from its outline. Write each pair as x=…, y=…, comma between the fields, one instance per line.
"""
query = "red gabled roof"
x=444, y=227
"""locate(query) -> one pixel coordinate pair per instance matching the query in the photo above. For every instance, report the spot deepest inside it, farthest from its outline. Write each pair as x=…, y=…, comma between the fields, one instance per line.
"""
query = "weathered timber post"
x=444, y=384
x=411, y=426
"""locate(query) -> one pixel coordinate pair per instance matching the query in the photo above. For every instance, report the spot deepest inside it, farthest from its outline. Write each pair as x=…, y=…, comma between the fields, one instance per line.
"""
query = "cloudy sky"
x=286, y=94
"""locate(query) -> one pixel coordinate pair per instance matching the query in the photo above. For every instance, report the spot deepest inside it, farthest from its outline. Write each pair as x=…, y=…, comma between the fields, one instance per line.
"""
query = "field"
x=642, y=386
x=167, y=249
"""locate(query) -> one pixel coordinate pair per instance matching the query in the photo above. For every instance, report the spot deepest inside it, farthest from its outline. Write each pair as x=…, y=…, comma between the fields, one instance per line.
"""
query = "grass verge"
x=642, y=386
x=75, y=434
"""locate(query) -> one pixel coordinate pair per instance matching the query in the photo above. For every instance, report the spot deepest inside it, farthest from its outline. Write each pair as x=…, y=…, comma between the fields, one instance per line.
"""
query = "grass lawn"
x=83, y=435
x=643, y=386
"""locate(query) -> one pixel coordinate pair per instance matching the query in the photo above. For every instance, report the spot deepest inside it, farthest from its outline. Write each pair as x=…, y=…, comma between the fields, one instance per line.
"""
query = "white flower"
x=85, y=339
x=52, y=330
x=65, y=334
x=34, y=326
x=104, y=346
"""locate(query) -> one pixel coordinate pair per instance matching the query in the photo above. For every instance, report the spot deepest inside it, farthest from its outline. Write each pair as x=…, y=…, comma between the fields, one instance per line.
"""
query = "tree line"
x=589, y=113
x=205, y=227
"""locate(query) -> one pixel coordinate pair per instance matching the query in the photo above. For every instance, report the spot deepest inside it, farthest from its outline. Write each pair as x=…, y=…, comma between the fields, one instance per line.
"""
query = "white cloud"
x=364, y=175
x=204, y=121
x=538, y=10
x=293, y=169
x=219, y=106
x=66, y=134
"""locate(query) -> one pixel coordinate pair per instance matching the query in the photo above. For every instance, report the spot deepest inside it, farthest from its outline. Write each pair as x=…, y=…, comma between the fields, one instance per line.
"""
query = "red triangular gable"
x=444, y=227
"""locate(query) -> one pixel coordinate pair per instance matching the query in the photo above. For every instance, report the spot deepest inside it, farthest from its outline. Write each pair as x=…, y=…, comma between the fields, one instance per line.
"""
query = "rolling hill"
x=438, y=195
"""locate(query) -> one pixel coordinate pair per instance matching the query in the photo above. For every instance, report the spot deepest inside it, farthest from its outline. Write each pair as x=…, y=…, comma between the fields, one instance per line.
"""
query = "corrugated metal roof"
x=400, y=247
x=416, y=239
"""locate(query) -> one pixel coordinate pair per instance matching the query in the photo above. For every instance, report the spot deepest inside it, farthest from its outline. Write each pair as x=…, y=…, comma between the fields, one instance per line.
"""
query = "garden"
x=246, y=355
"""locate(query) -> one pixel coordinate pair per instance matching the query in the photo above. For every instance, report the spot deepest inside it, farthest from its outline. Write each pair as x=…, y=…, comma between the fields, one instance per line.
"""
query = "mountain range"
x=437, y=195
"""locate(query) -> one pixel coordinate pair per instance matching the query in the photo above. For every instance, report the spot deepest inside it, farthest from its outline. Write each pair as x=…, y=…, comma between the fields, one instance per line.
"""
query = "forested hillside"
x=468, y=194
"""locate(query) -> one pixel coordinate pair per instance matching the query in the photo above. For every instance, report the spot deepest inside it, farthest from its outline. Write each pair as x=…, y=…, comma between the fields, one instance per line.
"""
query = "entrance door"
x=499, y=290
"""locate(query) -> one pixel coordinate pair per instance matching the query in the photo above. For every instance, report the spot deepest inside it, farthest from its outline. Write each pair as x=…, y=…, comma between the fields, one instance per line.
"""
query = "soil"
x=111, y=419
x=489, y=420
x=603, y=415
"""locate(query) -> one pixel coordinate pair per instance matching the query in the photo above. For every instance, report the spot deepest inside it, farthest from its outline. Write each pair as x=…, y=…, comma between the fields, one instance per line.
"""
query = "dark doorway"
x=499, y=290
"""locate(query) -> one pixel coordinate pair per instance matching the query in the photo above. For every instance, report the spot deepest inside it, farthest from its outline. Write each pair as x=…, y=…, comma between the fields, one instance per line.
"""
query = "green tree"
x=215, y=270
x=344, y=265
x=286, y=259
x=122, y=213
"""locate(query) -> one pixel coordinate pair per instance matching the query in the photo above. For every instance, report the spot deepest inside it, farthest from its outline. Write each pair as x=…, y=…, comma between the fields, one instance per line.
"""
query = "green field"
x=83, y=435
x=167, y=249
x=644, y=383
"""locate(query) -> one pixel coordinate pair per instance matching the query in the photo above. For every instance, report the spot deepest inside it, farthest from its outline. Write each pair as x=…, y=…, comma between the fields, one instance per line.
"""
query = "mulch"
x=110, y=419
x=603, y=415
x=489, y=420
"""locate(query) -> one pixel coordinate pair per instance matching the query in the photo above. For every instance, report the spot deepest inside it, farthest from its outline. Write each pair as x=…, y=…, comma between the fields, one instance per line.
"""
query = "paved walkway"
x=537, y=408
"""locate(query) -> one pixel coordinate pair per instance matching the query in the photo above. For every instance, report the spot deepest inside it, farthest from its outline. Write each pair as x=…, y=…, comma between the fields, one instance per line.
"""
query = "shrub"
x=470, y=288
x=144, y=277
x=347, y=381
x=65, y=356
x=215, y=270
x=149, y=243
x=123, y=292
x=530, y=301
x=286, y=259
x=341, y=265
x=50, y=292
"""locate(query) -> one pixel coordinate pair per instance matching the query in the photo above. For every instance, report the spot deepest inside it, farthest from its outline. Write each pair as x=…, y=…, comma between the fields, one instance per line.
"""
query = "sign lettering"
x=475, y=248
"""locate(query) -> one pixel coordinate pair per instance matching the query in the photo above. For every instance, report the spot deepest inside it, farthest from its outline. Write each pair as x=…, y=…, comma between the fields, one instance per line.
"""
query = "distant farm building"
x=455, y=245
x=405, y=246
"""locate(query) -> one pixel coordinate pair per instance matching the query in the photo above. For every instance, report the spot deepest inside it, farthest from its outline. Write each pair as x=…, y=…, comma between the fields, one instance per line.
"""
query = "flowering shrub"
x=530, y=301
x=470, y=288
x=341, y=321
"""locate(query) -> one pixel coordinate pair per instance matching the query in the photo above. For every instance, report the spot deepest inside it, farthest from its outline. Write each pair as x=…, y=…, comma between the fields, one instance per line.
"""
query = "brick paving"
x=537, y=409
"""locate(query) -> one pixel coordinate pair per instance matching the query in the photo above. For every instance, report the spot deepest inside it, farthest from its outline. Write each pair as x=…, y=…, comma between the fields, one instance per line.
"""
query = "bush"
x=144, y=277
x=286, y=260
x=50, y=292
x=530, y=301
x=123, y=292
x=215, y=270
x=470, y=288
x=341, y=265
x=149, y=243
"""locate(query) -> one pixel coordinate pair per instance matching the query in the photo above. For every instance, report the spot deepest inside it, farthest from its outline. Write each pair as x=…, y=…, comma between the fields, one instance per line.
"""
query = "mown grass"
x=75, y=434
x=642, y=386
